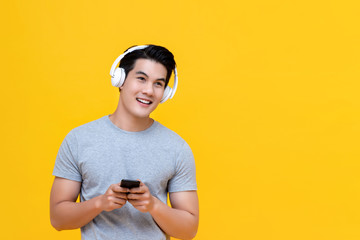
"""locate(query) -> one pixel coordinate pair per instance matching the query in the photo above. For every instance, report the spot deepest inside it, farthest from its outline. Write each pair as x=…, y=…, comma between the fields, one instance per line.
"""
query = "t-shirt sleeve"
x=185, y=173
x=66, y=160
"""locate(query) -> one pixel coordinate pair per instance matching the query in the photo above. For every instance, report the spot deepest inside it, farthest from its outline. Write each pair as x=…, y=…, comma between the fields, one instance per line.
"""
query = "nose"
x=148, y=89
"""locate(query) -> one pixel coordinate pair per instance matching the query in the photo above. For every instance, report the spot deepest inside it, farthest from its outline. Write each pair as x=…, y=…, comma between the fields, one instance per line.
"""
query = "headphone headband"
x=118, y=59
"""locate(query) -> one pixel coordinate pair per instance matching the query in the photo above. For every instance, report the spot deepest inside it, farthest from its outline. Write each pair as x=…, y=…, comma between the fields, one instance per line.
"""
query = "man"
x=128, y=144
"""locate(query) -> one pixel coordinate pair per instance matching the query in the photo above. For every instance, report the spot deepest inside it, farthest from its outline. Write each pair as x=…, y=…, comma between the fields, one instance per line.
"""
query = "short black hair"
x=152, y=52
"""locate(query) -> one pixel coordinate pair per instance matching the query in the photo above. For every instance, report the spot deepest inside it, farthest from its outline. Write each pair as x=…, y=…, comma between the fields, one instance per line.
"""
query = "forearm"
x=71, y=215
x=175, y=222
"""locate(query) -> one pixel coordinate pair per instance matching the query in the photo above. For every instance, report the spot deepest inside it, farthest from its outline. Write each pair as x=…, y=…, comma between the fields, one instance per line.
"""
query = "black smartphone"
x=126, y=183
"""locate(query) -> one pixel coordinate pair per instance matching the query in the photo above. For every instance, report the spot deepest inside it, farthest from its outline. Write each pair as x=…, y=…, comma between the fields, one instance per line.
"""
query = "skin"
x=145, y=82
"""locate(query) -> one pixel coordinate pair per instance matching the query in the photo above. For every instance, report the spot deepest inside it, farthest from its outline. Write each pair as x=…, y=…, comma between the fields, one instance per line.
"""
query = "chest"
x=104, y=164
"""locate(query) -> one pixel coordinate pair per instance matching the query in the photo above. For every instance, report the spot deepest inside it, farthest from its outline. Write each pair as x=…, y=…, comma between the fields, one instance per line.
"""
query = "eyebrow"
x=141, y=72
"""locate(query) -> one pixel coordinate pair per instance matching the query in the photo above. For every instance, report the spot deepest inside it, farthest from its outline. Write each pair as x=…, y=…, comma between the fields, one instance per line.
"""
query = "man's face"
x=143, y=88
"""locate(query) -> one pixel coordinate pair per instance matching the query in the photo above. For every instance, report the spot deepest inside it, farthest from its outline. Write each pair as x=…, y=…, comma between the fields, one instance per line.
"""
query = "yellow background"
x=268, y=99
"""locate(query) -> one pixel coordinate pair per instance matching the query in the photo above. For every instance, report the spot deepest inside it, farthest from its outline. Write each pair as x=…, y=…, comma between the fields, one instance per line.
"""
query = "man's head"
x=142, y=78
x=152, y=52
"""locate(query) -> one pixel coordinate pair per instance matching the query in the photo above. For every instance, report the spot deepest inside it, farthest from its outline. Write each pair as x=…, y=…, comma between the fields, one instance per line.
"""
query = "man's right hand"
x=114, y=197
x=66, y=213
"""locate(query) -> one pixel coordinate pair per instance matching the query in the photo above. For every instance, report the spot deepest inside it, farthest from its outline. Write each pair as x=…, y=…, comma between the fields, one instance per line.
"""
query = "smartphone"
x=126, y=183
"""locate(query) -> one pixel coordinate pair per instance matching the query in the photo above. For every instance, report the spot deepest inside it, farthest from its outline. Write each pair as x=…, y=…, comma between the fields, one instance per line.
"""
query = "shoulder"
x=87, y=129
x=170, y=139
x=98, y=123
x=168, y=135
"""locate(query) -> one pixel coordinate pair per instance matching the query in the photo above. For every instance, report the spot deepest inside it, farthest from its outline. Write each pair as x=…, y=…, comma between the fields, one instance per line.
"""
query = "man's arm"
x=66, y=213
x=182, y=220
x=179, y=221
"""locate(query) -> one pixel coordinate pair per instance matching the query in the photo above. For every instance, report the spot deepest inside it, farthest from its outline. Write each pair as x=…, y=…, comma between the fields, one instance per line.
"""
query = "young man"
x=128, y=144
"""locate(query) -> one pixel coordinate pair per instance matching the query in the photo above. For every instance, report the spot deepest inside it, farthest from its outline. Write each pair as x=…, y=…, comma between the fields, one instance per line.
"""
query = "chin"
x=146, y=113
x=142, y=114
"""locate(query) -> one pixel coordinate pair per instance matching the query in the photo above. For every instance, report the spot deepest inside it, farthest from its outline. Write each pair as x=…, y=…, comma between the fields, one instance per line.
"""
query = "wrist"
x=98, y=203
x=155, y=205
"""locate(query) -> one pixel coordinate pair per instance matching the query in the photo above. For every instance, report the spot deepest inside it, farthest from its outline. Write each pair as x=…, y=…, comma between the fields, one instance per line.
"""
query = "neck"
x=123, y=120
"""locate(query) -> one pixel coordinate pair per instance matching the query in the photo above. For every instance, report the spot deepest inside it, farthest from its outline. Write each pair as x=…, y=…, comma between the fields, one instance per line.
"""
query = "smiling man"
x=128, y=144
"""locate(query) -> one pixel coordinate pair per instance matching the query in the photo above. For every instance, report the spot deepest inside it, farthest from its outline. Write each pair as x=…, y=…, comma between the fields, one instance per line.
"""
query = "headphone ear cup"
x=117, y=80
x=166, y=95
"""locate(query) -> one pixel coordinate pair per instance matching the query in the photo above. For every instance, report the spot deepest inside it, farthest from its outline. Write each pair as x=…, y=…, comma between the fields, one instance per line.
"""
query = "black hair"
x=152, y=52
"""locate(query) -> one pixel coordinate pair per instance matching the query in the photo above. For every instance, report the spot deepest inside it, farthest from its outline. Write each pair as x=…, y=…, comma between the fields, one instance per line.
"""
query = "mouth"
x=144, y=101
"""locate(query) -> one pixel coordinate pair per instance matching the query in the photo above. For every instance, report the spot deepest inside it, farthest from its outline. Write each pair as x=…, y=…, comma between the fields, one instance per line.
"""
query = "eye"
x=141, y=78
x=159, y=84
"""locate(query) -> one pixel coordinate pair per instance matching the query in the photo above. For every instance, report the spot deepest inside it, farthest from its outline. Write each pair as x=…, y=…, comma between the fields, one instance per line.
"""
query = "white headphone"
x=118, y=75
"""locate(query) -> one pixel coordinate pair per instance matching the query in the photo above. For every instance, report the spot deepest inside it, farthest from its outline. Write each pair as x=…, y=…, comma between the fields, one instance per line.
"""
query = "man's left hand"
x=141, y=198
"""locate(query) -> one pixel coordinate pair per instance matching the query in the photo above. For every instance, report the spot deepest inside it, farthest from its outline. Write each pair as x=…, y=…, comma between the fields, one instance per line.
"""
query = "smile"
x=143, y=101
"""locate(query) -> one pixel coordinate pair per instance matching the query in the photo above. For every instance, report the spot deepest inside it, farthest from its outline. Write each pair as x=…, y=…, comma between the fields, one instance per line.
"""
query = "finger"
x=117, y=188
x=136, y=203
x=136, y=191
x=120, y=195
x=118, y=201
x=141, y=183
x=142, y=189
x=139, y=206
x=134, y=196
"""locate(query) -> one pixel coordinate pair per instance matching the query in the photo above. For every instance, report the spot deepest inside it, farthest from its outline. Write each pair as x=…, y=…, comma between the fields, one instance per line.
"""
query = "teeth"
x=143, y=101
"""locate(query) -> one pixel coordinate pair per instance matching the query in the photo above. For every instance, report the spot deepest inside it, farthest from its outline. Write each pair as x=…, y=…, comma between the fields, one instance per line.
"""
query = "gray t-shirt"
x=98, y=154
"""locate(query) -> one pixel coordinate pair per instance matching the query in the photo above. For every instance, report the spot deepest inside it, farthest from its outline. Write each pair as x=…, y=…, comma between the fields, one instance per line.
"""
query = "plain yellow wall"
x=268, y=99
